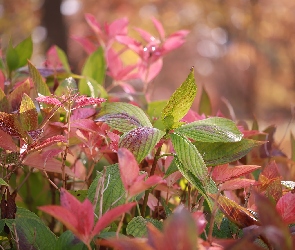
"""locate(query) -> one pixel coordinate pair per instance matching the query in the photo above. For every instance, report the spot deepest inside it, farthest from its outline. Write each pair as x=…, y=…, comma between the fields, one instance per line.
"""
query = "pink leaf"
x=237, y=184
x=62, y=214
x=91, y=20
x=286, y=207
x=46, y=163
x=130, y=43
x=111, y=216
x=147, y=74
x=84, y=124
x=159, y=28
x=53, y=60
x=87, y=45
x=146, y=36
x=118, y=27
x=225, y=172
x=82, y=113
x=175, y=40
x=80, y=210
x=129, y=169
x=200, y=221
x=141, y=185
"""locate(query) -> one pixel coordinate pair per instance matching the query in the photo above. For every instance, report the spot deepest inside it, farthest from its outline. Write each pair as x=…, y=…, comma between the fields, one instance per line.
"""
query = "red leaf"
x=237, y=184
x=111, y=216
x=129, y=169
x=47, y=142
x=87, y=45
x=225, y=172
x=236, y=213
x=286, y=207
x=141, y=185
x=6, y=141
x=44, y=162
x=271, y=170
x=2, y=80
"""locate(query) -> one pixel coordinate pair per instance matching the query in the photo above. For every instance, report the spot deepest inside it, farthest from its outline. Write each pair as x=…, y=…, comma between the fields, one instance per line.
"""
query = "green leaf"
x=68, y=86
x=131, y=110
x=63, y=58
x=171, y=169
x=94, y=73
x=180, y=102
x=24, y=51
x=3, y=183
x=141, y=141
x=11, y=58
x=214, y=129
x=114, y=192
x=39, y=83
x=121, y=121
x=205, y=103
x=220, y=153
x=190, y=177
x=154, y=112
x=81, y=195
x=137, y=226
x=28, y=114
x=189, y=156
x=69, y=241
x=31, y=230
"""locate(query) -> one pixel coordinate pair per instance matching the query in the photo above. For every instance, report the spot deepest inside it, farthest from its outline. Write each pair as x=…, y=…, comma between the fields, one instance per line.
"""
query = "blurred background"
x=243, y=50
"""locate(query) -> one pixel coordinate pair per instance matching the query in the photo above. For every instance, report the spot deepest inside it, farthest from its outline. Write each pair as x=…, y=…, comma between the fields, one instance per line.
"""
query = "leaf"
x=238, y=183
x=68, y=241
x=114, y=192
x=154, y=111
x=10, y=125
x=205, y=103
x=126, y=108
x=225, y=172
x=196, y=182
x=129, y=169
x=15, y=97
x=63, y=58
x=276, y=231
x=111, y=216
x=4, y=105
x=24, y=51
x=286, y=207
x=189, y=156
x=220, y=153
x=11, y=57
x=214, y=129
x=141, y=141
x=31, y=231
x=137, y=226
x=234, y=212
x=3, y=183
x=28, y=114
x=180, y=102
x=68, y=86
x=6, y=141
x=94, y=68
x=47, y=142
x=39, y=83
x=70, y=213
x=121, y=121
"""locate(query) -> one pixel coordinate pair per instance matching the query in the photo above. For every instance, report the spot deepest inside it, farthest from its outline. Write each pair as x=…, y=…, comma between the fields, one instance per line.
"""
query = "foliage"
x=174, y=178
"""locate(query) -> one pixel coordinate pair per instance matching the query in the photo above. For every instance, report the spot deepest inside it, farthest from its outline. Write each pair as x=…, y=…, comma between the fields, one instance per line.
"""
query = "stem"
x=147, y=192
x=211, y=224
x=189, y=188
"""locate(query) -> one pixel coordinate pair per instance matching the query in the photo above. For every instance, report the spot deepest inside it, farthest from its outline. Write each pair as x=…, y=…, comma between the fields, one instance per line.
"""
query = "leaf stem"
x=147, y=192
